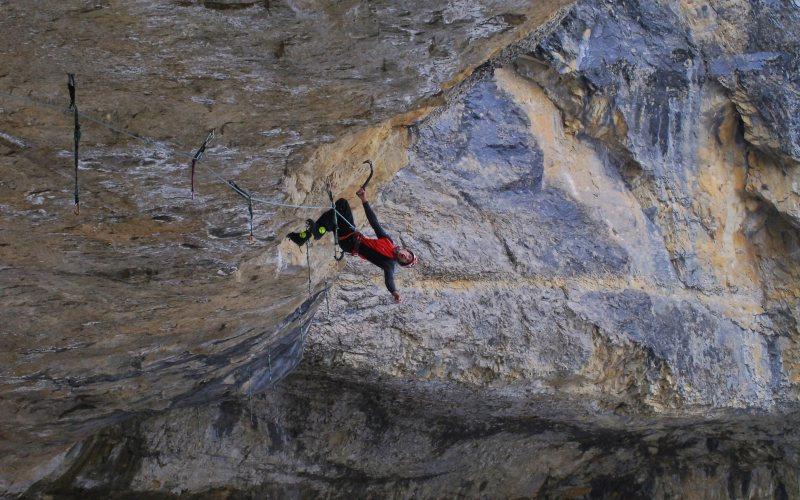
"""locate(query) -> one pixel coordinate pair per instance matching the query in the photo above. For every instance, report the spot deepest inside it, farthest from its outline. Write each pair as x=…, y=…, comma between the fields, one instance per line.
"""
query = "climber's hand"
x=362, y=195
x=396, y=296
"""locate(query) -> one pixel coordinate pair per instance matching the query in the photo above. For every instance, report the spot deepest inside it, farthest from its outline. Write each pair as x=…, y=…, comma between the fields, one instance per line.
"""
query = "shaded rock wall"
x=323, y=434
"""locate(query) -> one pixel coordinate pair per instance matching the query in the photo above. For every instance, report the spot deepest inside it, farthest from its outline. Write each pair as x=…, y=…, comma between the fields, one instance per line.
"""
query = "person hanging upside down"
x=380, y=251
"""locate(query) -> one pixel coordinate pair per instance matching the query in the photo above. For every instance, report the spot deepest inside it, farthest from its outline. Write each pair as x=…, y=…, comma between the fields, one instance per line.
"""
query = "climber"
x=380, y=251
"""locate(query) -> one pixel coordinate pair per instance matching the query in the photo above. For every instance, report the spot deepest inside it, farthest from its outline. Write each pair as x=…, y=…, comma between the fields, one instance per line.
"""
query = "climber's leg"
x=300, y=237
x=327, y=222
x=344, y=211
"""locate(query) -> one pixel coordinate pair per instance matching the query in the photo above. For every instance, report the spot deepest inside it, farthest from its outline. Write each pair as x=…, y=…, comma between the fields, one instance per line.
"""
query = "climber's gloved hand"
x=397, y=298
x=362, y=195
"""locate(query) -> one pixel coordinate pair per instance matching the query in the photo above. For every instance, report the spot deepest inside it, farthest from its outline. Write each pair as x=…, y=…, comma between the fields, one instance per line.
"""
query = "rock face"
x=322, y=436
x=148, y=297
x=581, y=276
x=606, y=304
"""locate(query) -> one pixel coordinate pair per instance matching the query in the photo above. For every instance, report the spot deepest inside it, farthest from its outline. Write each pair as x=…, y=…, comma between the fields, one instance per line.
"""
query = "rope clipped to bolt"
x=198, y=155
x=244, y=194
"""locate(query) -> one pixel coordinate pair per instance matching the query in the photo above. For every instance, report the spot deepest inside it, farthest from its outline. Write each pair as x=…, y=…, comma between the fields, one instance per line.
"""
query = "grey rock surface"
x=546, y=284
x=131, y=305
x=323, y=434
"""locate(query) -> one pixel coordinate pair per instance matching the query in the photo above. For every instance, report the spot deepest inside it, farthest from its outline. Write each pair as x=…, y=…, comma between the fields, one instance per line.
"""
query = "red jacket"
x=383, y=246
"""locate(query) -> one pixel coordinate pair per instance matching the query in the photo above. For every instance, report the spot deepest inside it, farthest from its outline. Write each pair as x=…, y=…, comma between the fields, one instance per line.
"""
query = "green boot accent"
x=299, y=238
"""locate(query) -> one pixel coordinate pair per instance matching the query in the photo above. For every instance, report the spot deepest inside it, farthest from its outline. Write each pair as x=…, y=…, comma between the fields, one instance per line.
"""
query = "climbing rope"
x=337, y=254
x=269, y=359
x=288, y=347
x=250, y=398
x=308, y=259
x=327, y=302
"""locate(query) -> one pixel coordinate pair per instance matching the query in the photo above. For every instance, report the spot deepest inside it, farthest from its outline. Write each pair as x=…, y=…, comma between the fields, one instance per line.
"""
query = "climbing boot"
x=317, y=231
x=303, y=236
x=300, y=238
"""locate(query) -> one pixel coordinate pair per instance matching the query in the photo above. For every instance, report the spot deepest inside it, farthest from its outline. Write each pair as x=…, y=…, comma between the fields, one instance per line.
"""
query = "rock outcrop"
x=148, y=297
x=607, y=298
x=327, y=434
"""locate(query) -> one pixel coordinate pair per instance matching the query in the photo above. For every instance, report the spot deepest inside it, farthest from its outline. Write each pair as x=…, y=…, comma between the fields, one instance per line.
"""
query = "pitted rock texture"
x=132, y=305
x=557, y=269
x=608, y=239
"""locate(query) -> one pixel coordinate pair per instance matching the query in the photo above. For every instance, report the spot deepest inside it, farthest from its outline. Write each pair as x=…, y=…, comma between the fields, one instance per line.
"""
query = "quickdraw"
x=338, y=252
x=76, y=135
x=244, y=194
x=199, y=156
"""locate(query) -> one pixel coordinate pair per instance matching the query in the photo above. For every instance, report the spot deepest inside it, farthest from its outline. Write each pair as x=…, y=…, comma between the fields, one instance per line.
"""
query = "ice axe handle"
x=371, y=171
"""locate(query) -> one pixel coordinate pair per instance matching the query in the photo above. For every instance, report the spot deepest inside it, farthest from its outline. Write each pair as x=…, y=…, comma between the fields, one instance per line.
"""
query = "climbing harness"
x=244, y=194
x=199, y=156
x=76, y=136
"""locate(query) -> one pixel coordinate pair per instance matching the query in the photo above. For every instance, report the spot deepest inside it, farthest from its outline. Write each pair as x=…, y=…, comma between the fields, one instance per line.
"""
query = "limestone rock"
x=606, y=302
x=148, y=297
x=321, y=436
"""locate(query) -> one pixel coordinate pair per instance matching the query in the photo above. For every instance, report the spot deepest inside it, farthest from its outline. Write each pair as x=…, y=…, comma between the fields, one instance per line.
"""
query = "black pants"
x=327, y=221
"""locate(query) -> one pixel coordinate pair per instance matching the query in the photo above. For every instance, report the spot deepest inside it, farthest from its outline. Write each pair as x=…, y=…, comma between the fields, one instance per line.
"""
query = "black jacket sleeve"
x=373, y=221
x=388, y=278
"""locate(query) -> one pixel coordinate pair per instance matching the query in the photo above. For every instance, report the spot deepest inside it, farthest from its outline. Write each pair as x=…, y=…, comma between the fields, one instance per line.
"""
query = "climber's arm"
x=371, y=217
x=388, y=278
